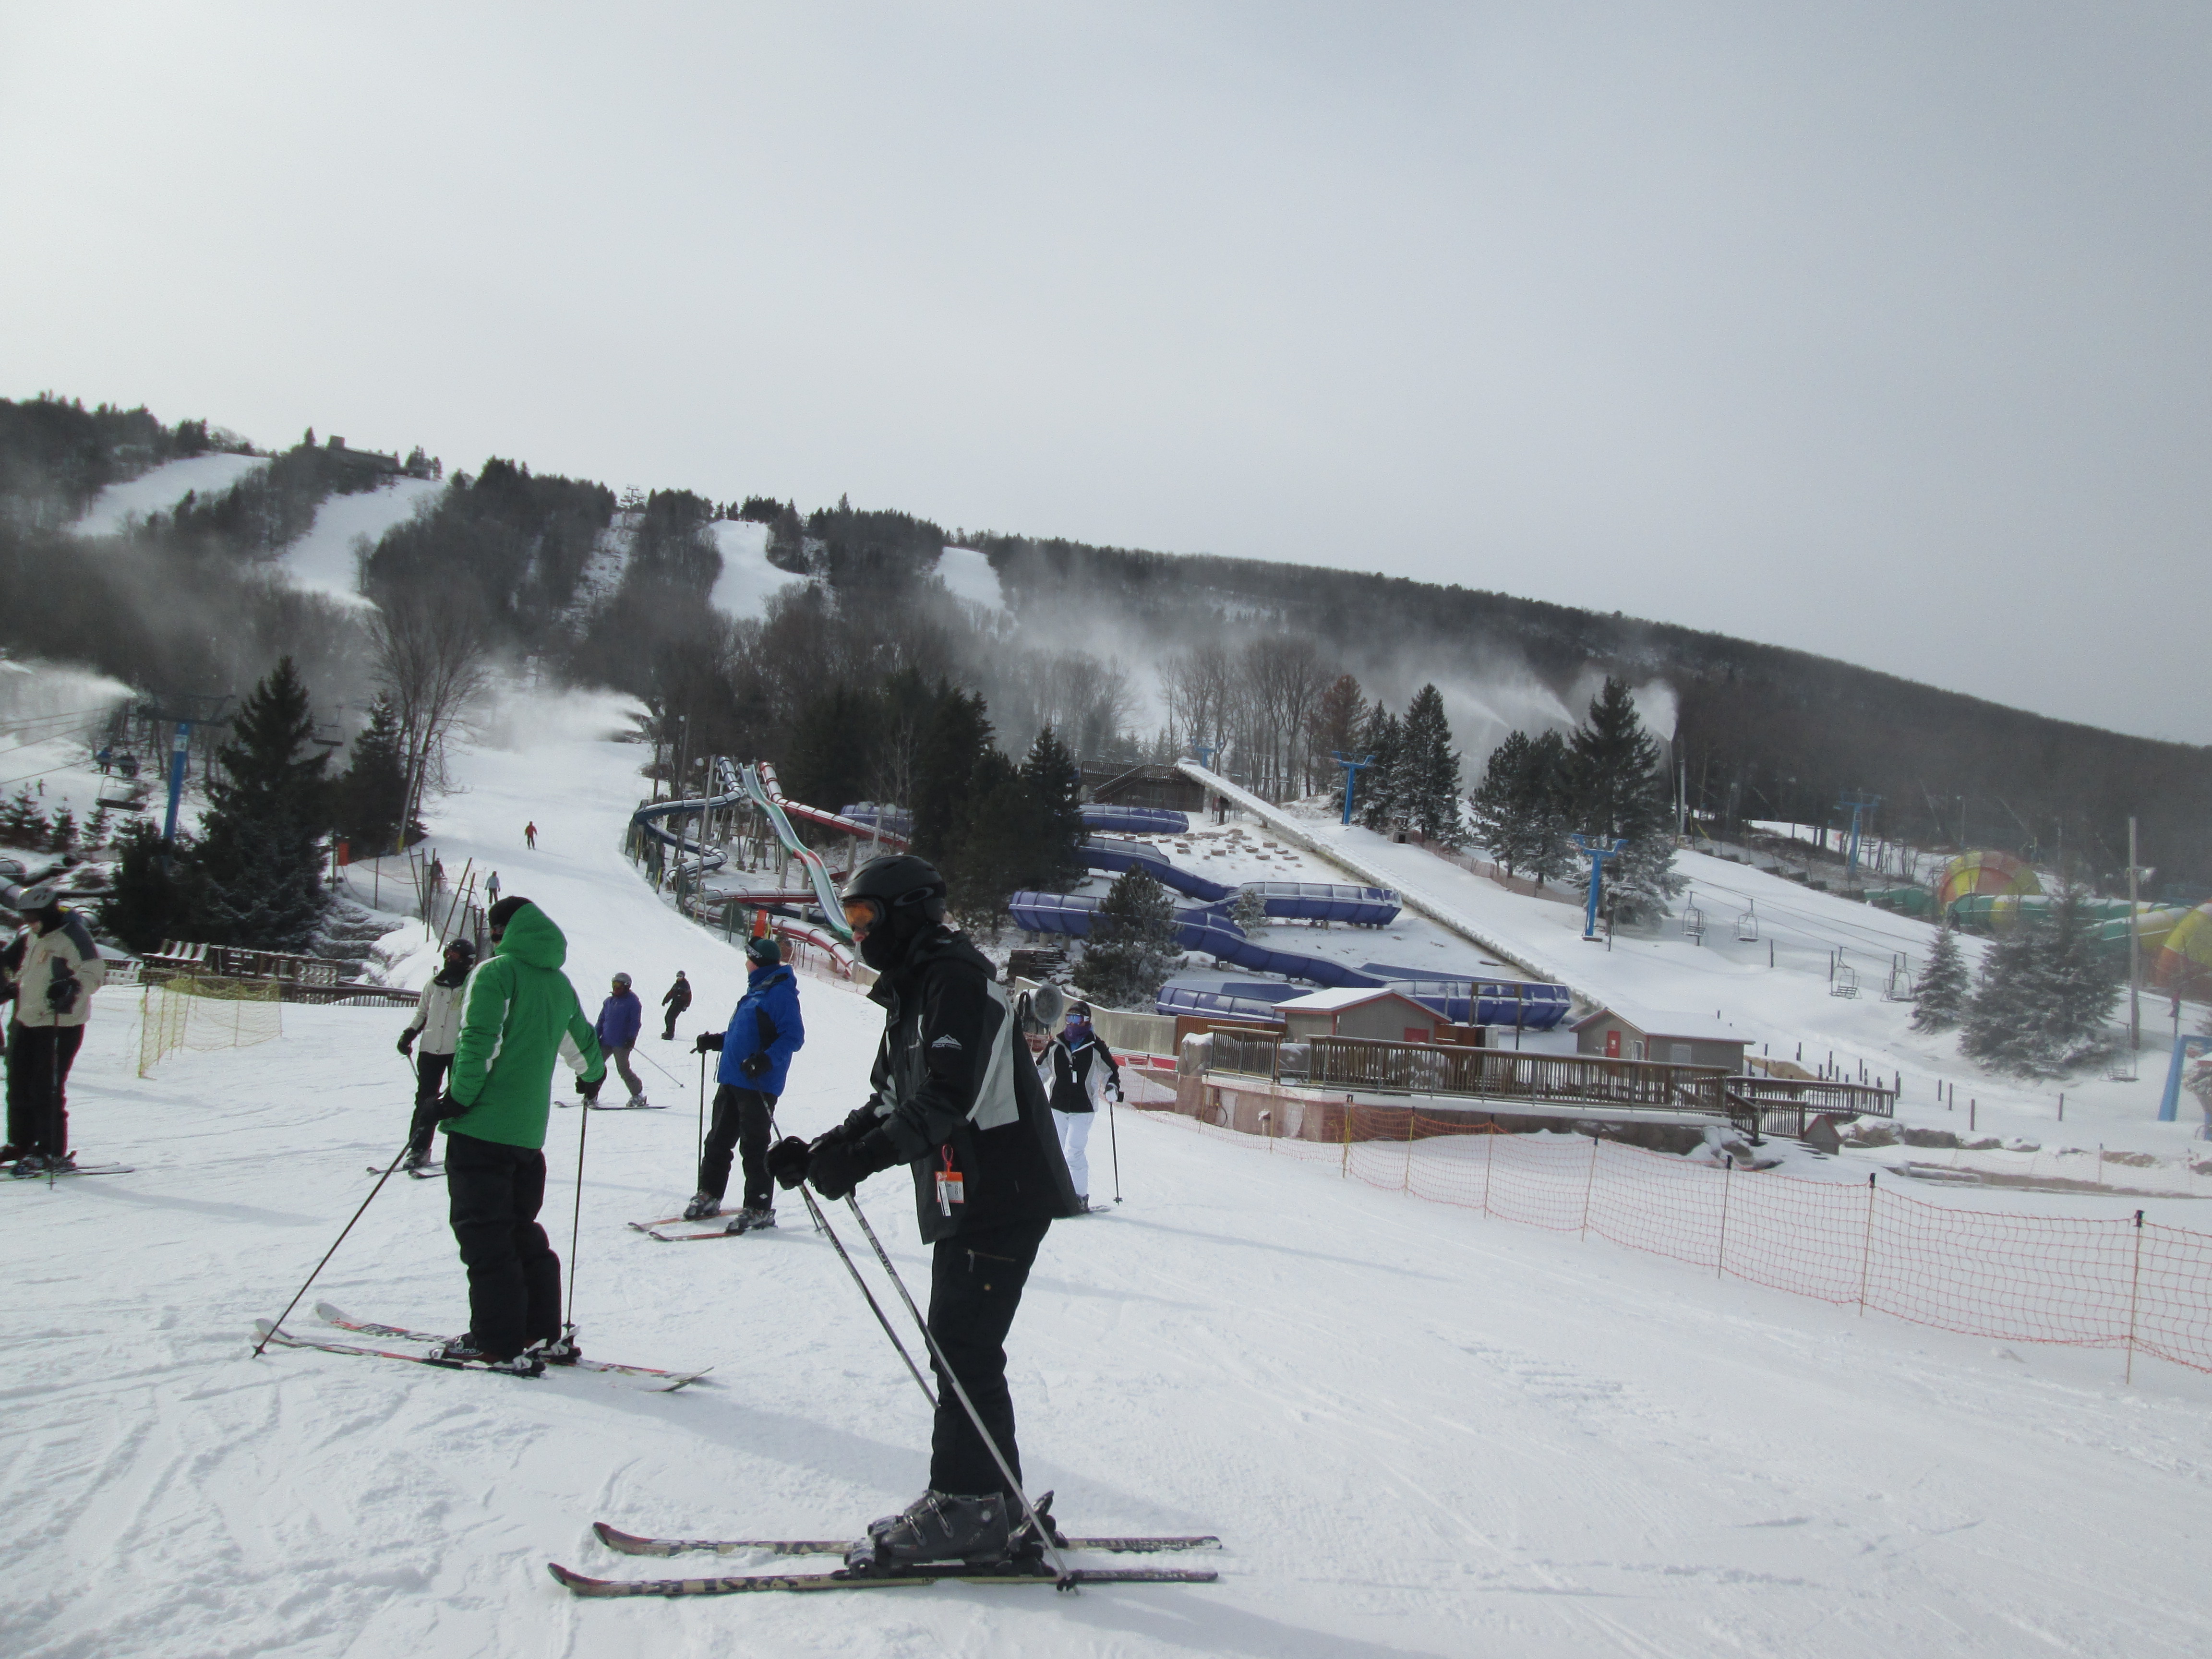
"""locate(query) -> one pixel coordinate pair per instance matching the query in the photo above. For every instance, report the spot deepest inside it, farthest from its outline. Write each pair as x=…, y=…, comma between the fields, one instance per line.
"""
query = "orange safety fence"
x=2124, y=1283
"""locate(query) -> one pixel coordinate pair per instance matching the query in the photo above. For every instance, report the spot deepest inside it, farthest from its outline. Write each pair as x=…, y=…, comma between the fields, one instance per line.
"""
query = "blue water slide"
x=709, y=858
x=895, y=820
x=1205, y=930
x=1307, y=901
x=1187, y=1000
x=1136, y=820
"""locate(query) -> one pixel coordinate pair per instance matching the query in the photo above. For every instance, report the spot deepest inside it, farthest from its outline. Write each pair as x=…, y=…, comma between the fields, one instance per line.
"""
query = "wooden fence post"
x=1728, y=1180
x=1589, y=1181
x=2134, y=1288
x=1407, y=1186
x=1345, y=1168
x=1488, y=1156
x=1866, y=1248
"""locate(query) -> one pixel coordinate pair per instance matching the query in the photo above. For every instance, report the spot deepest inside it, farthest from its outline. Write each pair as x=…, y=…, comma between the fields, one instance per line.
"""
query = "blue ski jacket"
x=619, y=1019
x=766, y=1022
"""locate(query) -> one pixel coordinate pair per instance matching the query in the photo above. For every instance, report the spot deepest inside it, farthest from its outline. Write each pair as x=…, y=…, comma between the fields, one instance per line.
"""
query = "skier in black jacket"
x=675, y=999
x=956, y=1099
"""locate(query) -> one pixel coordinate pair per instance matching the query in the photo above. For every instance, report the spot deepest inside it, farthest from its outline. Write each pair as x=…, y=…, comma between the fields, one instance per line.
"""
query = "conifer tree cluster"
x=1414, y=783
x=2044, y=994
x=1133, y=949
x=1605, y=781
x=368, y=797
x=1939, y=999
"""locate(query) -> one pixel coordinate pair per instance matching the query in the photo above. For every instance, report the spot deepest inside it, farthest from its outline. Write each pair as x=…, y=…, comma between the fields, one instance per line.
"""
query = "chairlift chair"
x=1846, y=983
x=1694, y=924
x=1899, y=987
x=1746, y=924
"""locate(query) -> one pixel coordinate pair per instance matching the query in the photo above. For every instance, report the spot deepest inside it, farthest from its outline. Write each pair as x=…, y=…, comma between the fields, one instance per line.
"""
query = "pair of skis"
x=421, y=1172
x=648, y=1377
x=9, y=1169
x=1018, y=1571
x=652, y=1230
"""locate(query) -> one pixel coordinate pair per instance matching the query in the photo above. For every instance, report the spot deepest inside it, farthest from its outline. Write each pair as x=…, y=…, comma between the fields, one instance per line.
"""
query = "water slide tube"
x=1311, y=901
x=710, y=858
x=1136, y=820
x=769, y=799
x=897, y=822
x=852, y=826
x=1205, y=930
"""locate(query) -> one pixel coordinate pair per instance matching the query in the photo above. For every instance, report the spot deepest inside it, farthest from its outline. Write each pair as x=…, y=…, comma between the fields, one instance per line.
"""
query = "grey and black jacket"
x=956, y=1091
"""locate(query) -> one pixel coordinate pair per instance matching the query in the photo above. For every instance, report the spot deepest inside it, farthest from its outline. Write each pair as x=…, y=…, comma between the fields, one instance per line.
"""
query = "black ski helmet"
x=461, y=946
x=898, y=881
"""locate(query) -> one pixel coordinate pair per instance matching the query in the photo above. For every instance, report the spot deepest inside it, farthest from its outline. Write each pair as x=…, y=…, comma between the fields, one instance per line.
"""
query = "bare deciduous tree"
x=431, y=661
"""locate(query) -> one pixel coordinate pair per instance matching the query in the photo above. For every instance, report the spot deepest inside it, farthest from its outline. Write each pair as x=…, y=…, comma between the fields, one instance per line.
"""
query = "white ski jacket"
x=69, y=941
x=437, y=1017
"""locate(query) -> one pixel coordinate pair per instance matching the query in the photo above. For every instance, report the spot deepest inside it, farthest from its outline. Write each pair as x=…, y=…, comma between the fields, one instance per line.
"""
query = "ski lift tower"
x=1597, y=852
x=1350, y=777
x=179, y=752
x=1857, y=801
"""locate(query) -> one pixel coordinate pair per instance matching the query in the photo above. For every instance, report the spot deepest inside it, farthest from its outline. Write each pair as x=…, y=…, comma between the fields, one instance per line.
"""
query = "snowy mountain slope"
x=159, y=491
x=748, y=580
x=1420, y=1431
x=324, y=561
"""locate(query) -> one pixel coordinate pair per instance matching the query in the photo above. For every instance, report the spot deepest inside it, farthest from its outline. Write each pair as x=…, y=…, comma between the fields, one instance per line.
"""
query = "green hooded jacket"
x=518, y=1012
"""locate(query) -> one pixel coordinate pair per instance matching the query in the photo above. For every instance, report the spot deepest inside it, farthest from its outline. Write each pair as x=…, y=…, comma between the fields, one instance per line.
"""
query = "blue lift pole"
x=178, y=750
x=1597, y=853
x=1858, y=801
x=1351, y=777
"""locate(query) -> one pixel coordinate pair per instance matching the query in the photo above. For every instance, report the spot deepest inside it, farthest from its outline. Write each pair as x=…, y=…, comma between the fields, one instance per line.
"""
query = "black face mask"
x=886, y=944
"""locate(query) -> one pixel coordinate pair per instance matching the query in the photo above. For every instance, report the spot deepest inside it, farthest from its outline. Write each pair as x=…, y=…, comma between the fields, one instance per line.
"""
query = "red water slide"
x=835, y=820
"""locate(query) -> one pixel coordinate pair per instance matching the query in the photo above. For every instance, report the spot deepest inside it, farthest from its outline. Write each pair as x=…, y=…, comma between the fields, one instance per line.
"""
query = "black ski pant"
x=668, y=1031
x=974, y=1286
x=514, y=1278
x=430, y=1072
x=743, y=1118
x=38, y=1061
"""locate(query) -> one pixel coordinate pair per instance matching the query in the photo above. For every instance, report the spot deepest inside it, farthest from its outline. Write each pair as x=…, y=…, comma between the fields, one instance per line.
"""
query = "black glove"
x=786, y=1162
x=61, y=987
x=710, y=1042
x=407, y=1043
x=448, y=1106
x=754, y=1065
x=837, y=1168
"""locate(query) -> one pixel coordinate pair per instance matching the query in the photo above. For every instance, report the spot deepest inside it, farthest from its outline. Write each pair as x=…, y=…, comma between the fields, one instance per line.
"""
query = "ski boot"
x=703, y=1206
x=1025, y=1544
x=415, y=1159
x=936, y=1526
x=28, y=1167
x=637, y=1102
x=471, y=1351
x=562, y=1350
x=751, y=1219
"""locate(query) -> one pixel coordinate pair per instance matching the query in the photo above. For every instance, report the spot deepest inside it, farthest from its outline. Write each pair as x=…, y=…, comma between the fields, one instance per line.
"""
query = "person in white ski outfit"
x=56, y=968
x=1092, y=1075
x=437, y=1022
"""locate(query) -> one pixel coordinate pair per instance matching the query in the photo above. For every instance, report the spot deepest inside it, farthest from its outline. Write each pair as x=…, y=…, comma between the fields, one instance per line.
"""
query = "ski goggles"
x=862, y=914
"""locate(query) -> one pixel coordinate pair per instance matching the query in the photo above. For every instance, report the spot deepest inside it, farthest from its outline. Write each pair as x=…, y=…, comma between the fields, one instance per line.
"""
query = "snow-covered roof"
x=1348, y=996
x=1663, y=1023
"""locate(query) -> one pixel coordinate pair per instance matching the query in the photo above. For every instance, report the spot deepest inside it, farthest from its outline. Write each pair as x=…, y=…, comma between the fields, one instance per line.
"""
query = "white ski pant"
x=1075, y=1137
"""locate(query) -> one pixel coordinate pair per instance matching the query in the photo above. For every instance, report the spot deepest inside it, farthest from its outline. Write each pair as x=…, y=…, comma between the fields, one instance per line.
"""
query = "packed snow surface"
x=967, y=574
x=748, y=580
x=1418, y=1431
x=327, y=559
x=160, y=489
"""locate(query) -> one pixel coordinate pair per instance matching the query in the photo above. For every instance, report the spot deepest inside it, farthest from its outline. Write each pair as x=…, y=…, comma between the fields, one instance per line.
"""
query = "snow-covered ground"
x=968, y=574
x=327, y=559
x=748, y=580
x=1420, y=1431
x=160, y=489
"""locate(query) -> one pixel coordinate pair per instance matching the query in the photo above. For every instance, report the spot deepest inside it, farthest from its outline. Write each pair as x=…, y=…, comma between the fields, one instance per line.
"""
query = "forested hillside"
x=1127, y=655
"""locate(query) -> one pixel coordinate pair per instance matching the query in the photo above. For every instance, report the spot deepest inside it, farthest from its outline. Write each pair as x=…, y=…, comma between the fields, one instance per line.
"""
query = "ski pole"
x=1114, y=1141
x=952, y=1377
x=822, y=1225
x=699, y=1153
x=576, y=1220
x=333, y=1250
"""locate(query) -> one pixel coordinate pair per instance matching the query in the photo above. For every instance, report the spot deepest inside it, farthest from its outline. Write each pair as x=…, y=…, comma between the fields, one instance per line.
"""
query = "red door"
x=1612, y=1043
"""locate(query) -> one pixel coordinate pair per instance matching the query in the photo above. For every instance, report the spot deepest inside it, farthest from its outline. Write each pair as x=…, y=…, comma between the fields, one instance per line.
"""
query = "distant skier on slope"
x=530, y=835
x=763, y=1034
x=437, y=1022
x=57, y=971
x=620, y=1016
x=951, y=1100
x=519, y=1015
x=675, y=999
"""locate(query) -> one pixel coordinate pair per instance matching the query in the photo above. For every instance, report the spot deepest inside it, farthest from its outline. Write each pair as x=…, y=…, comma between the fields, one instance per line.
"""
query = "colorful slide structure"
x=1310, y=901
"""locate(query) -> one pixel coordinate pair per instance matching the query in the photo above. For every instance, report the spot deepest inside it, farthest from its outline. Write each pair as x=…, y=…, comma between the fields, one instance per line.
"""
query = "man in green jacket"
x=519, y=1014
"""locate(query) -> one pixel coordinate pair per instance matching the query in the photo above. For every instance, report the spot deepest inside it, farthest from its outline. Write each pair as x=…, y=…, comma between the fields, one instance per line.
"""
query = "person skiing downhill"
x=437, y=1022
x=56, y=968
x=763, y=1034
x=530, y=835
x=675, y=999
x=620, y=1015
x=519, y=1014
x=951, y=1100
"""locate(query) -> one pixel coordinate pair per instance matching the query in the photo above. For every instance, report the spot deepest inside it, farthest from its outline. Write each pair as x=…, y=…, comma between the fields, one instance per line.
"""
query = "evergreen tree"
x=1133, y=949
x=1939, y=1000
x=150, y=899
x=1616, y=790
x=1428, y=771
x=997, y=846
x=1336, y=725
x=1376, y=802
x=832, y=751
x=260, y=862
x=1249, y=910
x=371, y=794
x=98, y=828
x=63, y=838
x=1055, y=786
x=957, y=738
x=22, y=822
x=2044, y=994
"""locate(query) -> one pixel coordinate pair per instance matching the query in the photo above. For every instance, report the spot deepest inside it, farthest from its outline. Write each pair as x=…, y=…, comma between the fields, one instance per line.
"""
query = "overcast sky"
x=1879, y=330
